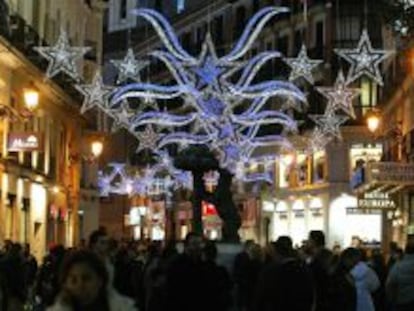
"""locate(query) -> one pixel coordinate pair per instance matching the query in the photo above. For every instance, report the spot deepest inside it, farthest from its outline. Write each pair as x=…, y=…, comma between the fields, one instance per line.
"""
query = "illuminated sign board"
x=24, y=141
x=376, y=200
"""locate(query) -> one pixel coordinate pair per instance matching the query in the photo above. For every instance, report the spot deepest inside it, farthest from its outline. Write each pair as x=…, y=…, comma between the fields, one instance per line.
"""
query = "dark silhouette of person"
x=216, y=280
x=185, y=283
x=285, y=283
x=320, y=265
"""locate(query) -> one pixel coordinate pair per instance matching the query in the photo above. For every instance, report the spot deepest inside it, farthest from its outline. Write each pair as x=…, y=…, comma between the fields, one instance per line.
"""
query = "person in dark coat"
x=240, y=264
x=342, y=293
x=216, y=280
x=320, y=264
x=185, y=283
x=286, y=283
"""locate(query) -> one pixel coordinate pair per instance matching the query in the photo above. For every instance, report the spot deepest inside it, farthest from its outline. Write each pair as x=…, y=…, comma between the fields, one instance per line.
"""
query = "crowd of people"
x=106, y=275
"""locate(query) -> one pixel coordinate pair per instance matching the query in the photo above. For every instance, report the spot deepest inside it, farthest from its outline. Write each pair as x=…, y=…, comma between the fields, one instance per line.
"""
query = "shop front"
x=295, y=217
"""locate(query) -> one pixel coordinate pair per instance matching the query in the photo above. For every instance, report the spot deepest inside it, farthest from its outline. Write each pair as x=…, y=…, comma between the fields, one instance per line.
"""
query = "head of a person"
x=210, y=251
x=193, y=245
x=99, y=242
x=84, y=278
x=283, y=247
x=255, y=252
x=349, y=258
x=316, y=240
x=248, y=244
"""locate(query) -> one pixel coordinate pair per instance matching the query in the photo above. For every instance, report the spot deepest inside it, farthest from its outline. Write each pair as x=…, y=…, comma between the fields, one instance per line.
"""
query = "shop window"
x=10, y=216
x=319, y=167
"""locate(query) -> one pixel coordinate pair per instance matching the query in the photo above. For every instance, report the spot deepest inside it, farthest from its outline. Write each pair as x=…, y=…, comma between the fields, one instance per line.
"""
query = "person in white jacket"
x=84, y=287
x=366, y=283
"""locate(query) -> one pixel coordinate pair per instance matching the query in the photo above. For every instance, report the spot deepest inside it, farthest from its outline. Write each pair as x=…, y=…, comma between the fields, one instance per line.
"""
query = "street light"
x=31, y=97
x=97, y=148
x=373, y=120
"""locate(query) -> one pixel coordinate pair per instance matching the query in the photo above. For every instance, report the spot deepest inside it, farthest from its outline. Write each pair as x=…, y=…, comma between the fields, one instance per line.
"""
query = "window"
x=368, y=98
x=319, y=39
x=283, y=44
x=298, y=41
x=240, y=21
x=123, y=9
x=158, y=5
x=180, y=6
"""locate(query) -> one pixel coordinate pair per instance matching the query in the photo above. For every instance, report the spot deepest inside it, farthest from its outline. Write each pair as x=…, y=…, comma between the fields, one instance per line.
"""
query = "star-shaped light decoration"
x=62, y=57
x=340, y=96
x=129, y=67
x=121, y=116
x=95, y=93
x=209, y=70
x=329, y=123
x=317, y=141
x=364, y=59
x=148, y=139
x=302, y=66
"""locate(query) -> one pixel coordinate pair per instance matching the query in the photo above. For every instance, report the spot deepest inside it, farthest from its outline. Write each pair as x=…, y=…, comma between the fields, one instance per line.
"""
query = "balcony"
x=24, y=37
x=386, y=177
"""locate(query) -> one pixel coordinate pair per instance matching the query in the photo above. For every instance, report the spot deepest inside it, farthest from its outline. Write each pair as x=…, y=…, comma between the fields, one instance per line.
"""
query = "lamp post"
x=373, y=120
x=96, y=148
x=31, y=97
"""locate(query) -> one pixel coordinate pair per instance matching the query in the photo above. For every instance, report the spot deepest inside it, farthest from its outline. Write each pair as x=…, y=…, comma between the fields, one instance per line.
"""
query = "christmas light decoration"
x=129, y=67
x=302, y=66
x=62, y=57
x=329, y=123
x=159, y=179
x=340, y=96
x=96, y=94
x=364, y=59
x=212, y=97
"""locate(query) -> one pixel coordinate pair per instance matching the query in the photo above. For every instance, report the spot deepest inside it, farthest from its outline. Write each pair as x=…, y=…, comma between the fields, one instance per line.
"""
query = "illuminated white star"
x=121, y=116
x=95, y=94
x=317, y=141
x=364, y=59
x=148, y=139
x=302, y=66
x=329, y=123
x=340, y=96
x=62, y=57
x=129, y=67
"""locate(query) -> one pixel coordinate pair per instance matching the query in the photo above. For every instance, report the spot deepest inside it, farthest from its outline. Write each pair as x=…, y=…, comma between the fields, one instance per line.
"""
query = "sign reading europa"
x=24, y=141
x=376, y=200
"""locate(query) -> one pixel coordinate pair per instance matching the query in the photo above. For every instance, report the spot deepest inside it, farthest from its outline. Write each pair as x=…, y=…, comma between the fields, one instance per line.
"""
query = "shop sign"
x=376, y=200
x=24, y=141
x=360, y=211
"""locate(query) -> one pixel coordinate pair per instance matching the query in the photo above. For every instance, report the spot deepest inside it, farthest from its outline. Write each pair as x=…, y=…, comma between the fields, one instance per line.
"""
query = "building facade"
x=310, y=192
x=41, y=194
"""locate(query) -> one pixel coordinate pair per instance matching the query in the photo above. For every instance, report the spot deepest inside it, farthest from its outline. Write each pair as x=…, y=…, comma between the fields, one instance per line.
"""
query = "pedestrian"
x=400, y=282
x=285, y=283
x=84, y=286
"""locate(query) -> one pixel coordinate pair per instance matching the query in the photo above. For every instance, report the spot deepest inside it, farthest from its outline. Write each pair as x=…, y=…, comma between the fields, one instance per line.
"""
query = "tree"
x=199, y=160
